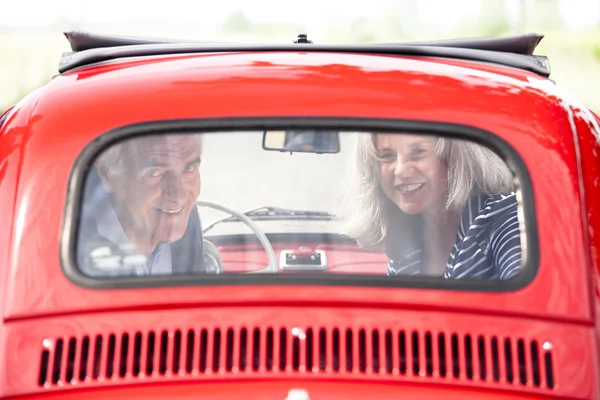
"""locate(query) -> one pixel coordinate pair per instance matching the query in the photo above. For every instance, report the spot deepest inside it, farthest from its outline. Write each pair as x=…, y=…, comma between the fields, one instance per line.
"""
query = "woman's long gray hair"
x=472, y=168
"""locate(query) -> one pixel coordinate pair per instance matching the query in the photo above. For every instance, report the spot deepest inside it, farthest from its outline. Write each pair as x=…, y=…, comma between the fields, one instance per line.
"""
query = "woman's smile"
x=409, y=188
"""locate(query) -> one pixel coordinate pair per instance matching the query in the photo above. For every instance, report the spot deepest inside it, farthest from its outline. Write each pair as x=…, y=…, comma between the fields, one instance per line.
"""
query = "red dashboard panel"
x=341, y=258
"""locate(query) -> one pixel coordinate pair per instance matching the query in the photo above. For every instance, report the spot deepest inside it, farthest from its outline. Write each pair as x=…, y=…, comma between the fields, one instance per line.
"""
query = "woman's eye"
x=386, y=157
x=418, y=152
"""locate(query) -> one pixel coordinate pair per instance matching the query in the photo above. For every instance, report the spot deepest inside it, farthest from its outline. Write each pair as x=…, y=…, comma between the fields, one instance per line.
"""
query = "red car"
x=161, y=239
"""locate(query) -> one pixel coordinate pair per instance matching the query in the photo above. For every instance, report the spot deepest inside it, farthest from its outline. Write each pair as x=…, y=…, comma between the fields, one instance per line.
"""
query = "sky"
x=575, y=13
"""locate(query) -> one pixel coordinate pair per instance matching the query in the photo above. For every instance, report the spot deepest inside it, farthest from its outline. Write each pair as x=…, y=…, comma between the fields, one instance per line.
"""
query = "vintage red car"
x=163, y=239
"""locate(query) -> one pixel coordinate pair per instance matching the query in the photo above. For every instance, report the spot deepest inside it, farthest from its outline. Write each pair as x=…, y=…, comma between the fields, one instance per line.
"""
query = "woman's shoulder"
x=499, y=204
x=500, y=212
x=486, y=212
x=482, y=210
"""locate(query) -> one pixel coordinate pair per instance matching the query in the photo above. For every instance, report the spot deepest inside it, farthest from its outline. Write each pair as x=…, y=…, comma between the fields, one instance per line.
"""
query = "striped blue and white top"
x=488, y=243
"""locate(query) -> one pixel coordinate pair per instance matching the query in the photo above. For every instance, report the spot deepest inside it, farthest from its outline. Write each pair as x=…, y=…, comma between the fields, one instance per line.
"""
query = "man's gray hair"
x=364, y=207
x=112, y=158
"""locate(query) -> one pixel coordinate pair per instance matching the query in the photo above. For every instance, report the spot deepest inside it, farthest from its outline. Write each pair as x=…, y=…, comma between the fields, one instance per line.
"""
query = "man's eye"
x=153, y=173
x=191, y=168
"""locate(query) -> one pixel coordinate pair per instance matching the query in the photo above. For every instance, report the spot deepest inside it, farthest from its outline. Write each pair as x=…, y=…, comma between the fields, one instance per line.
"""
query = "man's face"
x=157, y=186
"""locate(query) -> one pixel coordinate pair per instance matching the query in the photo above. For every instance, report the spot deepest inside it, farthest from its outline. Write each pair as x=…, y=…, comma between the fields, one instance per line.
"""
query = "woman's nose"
x=402, y=167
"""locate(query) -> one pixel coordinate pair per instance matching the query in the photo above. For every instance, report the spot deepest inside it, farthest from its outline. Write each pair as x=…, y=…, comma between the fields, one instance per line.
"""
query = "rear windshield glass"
x=300, y=202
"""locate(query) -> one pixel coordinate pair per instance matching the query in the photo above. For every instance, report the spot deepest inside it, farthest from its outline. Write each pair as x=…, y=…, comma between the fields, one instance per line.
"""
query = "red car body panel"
x=46, y=132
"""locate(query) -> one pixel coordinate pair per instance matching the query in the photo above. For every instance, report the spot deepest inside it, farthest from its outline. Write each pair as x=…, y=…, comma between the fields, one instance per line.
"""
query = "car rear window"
x=395, y=205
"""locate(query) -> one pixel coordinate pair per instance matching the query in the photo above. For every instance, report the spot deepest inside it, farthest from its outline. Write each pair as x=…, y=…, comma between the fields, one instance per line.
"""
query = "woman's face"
x=411, y=175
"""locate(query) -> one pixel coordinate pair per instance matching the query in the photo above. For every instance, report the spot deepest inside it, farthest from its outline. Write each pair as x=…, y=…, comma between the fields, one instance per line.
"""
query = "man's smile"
x=169, y=210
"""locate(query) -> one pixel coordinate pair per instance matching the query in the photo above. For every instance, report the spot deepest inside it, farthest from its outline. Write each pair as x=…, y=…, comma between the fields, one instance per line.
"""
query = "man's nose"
x=173, y=185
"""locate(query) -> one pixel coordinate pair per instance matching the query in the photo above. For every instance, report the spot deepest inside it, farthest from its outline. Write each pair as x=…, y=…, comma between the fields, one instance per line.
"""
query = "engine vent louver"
x=216, y=351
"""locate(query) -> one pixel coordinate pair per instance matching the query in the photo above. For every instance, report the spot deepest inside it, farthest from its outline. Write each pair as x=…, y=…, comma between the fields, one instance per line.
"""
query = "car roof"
x=152, y=65
x=512, y=51
x=179, y=78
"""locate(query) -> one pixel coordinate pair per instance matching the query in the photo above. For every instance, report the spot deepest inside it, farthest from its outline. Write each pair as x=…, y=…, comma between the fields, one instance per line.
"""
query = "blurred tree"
x=522, y=26
x=403, y=21
x=545, y=14
x=361, y=31
x=493, y=19
x=237, y=22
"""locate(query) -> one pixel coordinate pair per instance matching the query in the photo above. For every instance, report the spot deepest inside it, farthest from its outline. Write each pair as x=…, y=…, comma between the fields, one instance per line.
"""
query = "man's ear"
x=104, y=178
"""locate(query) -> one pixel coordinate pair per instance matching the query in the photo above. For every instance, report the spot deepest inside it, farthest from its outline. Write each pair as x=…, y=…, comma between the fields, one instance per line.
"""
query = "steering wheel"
x=262, y=238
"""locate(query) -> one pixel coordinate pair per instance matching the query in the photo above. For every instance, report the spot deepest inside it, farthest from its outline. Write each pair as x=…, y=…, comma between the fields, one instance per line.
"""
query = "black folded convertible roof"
x=512, y=51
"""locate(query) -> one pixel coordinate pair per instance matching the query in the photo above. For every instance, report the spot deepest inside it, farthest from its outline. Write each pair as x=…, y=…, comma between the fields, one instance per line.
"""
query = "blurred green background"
x=31, y=39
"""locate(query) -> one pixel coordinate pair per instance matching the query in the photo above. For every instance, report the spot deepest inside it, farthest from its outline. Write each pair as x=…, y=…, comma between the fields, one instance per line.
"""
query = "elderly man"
x=139, y=213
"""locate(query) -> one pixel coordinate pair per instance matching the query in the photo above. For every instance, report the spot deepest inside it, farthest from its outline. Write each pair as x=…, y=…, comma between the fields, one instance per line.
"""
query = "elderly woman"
x=441, y=207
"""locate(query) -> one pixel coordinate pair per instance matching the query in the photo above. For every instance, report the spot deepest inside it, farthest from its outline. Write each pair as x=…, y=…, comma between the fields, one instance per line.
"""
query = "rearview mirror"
x=302, y=141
